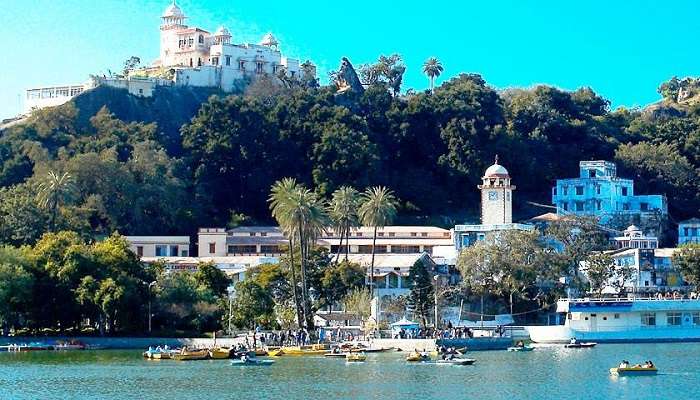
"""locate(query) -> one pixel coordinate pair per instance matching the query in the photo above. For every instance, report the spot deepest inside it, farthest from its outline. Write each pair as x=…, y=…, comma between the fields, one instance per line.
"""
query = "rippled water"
x=546, y=372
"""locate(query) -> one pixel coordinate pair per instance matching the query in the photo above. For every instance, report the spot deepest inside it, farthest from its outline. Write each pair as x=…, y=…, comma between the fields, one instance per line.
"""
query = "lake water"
x=544, y=373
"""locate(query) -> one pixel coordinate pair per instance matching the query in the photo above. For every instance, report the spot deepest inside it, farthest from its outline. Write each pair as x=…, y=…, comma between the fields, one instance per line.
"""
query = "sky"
x=622, y=49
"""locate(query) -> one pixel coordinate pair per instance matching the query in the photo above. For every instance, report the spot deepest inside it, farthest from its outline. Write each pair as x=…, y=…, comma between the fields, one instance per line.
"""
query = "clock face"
x=493, y=195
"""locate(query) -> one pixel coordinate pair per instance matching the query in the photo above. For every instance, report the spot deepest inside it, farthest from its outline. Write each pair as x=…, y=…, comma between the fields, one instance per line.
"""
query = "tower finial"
x=496, y=162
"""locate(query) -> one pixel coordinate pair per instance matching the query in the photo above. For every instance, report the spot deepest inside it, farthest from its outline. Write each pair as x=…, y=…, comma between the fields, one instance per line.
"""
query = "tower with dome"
x=496, y=208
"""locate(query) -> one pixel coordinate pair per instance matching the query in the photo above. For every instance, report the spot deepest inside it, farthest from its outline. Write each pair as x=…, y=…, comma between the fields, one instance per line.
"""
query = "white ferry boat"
x=623, y=320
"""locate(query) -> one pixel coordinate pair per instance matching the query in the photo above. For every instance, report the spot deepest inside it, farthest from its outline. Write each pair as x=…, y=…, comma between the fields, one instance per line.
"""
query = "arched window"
x=201, y=39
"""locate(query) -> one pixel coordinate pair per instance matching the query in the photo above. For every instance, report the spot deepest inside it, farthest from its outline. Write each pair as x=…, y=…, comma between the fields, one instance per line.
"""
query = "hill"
x=183, y=159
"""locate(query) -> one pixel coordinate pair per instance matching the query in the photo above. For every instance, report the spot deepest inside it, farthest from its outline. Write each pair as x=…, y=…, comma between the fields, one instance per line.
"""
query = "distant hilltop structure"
x=190, y=56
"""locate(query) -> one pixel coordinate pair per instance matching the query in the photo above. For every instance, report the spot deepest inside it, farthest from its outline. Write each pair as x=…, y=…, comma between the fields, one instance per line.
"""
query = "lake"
x=544, y=373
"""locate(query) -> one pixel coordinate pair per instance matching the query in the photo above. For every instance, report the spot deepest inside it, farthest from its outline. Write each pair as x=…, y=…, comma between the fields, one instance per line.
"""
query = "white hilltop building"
x=189, y=56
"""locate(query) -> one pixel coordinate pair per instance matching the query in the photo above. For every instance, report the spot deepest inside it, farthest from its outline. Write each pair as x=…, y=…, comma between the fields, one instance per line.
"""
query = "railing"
x=622, y=299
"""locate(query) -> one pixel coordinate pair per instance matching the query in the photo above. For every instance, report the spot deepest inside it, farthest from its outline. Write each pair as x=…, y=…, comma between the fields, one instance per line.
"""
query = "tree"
x=54, y=190
x=601, y=272
x=421, y=299
x=23, y=220
x=130, y=64
x=342, y=210
x=338, y=280
x=359, y=302
x=300, y=212
x=16, y=287
x=253, y=305
x=387, y=71
x=687, y=260
x=211, y=277
x=377, y=209
x=579, y=236
x=432, y=68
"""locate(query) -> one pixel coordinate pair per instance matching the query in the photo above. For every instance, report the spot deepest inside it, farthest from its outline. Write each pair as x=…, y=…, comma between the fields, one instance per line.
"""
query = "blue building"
x=689, y=231
x=599, y=192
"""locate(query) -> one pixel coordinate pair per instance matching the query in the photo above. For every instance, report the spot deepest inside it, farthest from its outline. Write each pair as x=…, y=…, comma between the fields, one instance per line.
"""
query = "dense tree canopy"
x=430, y=148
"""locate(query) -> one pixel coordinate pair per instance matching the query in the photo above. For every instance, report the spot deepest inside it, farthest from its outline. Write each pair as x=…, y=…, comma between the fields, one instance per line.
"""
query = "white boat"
x=621, y=320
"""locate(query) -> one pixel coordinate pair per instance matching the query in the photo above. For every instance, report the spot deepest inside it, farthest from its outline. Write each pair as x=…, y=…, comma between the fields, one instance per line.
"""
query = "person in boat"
x=648, y=364
x=573, y=341
x=520, y=344
x=624, y=364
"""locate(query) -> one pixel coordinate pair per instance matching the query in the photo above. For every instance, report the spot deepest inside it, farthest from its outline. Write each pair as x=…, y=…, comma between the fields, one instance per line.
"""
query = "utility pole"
x=150, y=314
x=231, y=292
x=436, y=301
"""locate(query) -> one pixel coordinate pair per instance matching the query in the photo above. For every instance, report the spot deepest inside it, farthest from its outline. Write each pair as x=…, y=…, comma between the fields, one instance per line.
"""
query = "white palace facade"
x=189, y=56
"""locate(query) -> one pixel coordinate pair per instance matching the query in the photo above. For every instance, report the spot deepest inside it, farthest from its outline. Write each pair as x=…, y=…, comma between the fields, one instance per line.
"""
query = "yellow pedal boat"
x=191, y=355
x=220, y=353
x=355, y=357
x=300, y=351
x=417, y=357
x=275, y=353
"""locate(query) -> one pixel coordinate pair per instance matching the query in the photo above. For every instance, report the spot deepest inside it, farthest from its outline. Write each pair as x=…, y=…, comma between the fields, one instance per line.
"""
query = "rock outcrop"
x=346, y=78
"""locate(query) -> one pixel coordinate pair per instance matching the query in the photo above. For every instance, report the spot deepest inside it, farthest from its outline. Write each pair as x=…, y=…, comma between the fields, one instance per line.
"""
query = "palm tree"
x=342, y=210
x=53, y=190
x=432, y=68
x=377, y=209
x=302, y=218
x=280, y=203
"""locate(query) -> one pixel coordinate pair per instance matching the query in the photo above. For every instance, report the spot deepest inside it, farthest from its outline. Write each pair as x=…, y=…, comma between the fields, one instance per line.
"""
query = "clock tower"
x=496, y=196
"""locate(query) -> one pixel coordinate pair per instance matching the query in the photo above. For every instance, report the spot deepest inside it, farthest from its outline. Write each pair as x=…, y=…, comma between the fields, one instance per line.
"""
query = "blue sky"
x=621, y=49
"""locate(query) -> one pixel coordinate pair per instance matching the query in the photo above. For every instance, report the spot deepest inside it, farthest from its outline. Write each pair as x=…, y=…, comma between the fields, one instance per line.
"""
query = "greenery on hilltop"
x=129, y=173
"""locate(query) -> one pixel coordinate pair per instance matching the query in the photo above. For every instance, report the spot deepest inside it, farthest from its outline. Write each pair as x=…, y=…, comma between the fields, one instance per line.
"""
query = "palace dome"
x=222, y=31
x=269, y=40
x=173, y=11
x=496, y=170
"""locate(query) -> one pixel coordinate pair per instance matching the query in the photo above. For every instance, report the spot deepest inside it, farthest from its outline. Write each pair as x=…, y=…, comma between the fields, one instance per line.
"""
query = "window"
x=446, y=234
x=242, y=249
x=597, y=189
x=161, y=250
x=424, y=234
x=393, y=281
x=616, y=316
x=215, y=61
x=414, y=234
x=252, y=234
x=212, y=248
x=624, y=191
x=269, y=249
x=673, y=318
x=565, y=190
x=591, y=173
x=625, y=206
x=199, y=62
x=380, y=234
x=139, y=251
x=201, y=39
x=648, y=319
x=241, y=65
x=228, y=60
x=392, y=234
x=185, y=253
x=598, y=204
x=364, y=249
x=358, y=234
x=259, y=67
x=191, y=62
x=173, y=250
x=554, y=191
x=696, y=318
x=263, y=233
x=565, y=206
x=579, y=190
x=405, y=249
x=579, y=206
x=644, y=206
x=190, y=42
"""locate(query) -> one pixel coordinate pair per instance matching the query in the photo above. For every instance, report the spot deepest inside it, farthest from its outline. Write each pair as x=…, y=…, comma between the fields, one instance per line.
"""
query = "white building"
x=159, y=246
x=235, y=268
x=496, y=209
x=200, y=58
x=634, y=238
x=269, y=240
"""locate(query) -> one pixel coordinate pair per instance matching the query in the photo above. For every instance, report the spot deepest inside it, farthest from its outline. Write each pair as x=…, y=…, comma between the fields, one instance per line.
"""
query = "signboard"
x=593, y=305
